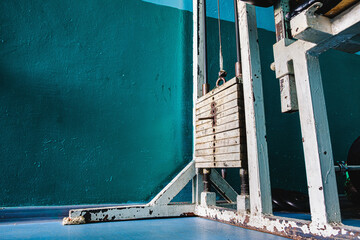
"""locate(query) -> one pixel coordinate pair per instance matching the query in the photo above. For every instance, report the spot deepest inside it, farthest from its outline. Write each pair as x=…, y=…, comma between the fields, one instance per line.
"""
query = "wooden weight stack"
x=220, y=140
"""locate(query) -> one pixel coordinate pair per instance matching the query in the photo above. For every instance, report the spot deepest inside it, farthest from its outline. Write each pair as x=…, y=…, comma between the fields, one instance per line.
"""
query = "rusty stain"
x=188, y=214
x=295, y=229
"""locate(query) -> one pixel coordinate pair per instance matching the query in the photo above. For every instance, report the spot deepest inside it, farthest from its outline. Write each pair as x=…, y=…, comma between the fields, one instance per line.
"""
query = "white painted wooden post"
x=319, y=161
x=259, y=179
x=198, y=80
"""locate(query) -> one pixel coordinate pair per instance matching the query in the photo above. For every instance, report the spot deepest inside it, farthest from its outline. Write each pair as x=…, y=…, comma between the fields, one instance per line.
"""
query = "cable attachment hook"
x=222, y=75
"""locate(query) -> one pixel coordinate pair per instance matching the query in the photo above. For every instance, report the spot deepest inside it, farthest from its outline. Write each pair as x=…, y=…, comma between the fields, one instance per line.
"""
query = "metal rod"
x=238, y=54
x=347, y=168
x=206, y=179
x=238, y=71
x=203, y=22
x=244, y=178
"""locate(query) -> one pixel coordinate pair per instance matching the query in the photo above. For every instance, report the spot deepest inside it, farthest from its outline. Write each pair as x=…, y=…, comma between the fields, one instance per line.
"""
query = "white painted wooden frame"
x=324, y=202
x=259, y=178
x=255, y=122
x=198, y=80
x=317, y=148
x=316, y=34
x=341, y=32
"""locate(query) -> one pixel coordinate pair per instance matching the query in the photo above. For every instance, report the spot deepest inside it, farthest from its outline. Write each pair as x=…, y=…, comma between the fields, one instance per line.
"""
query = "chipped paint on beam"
x=130, y=212
x=286, y=227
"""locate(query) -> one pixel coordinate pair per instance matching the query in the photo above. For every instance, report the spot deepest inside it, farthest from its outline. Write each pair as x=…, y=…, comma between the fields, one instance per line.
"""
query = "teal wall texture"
x=96, y=101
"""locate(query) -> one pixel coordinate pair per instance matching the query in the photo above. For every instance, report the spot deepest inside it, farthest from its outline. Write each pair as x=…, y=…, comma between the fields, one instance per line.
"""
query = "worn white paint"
x=208, y=199
x=277, y=225
x=348, y=20
x=310, y=26
x=287, y=82
x=319, y=161
x=198, y=80
x=133, y=212
x=199, y=186
x=327, y=33
x=288, y=98
x=259, y=179
x=243, y=203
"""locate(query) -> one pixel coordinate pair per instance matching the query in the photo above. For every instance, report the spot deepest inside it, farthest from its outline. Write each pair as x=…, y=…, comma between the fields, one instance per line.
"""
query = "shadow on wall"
x=94, y=104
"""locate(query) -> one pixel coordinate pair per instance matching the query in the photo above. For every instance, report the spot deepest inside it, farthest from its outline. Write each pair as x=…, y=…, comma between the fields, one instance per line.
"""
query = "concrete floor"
x=171, y=228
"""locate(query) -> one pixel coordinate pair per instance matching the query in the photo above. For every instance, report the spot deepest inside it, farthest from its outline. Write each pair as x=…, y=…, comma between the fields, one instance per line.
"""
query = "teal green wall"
x=95, y=101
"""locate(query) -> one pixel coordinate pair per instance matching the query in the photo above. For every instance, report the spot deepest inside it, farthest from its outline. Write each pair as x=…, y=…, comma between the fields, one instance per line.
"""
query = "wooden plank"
x=221, y=101
x=219, y=157
x=199, y=48
x=219, y=164
x=319, y=162
x=126, y=212
x=220, y=143
x=217, y=97
x=206, y=124
x=220, y=150
x=219, y=129
x=218, y=89
x=215, y=138
x=219, y=136
x=259, y=177
x=219, y=108
x=198, y=80
x=222, y=114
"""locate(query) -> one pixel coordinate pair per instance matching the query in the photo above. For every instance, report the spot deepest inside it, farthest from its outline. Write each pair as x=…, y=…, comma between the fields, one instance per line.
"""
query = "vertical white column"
x=259, y=178
x=198, y=79
x=319, y=162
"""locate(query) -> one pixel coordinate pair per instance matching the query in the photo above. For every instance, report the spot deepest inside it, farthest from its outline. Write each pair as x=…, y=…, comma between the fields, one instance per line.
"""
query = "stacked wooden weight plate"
x=220, y=127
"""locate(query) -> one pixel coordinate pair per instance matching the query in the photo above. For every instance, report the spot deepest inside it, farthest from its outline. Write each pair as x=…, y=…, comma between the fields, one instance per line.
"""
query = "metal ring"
x=220, y=79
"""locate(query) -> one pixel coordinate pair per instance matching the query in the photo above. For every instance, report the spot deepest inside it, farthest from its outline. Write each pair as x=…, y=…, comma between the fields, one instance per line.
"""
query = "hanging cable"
x=221, y=60
x=222, y=72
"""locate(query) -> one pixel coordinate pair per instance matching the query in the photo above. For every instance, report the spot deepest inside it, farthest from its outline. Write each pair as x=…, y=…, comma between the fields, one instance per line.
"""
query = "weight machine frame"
x=297, y=67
